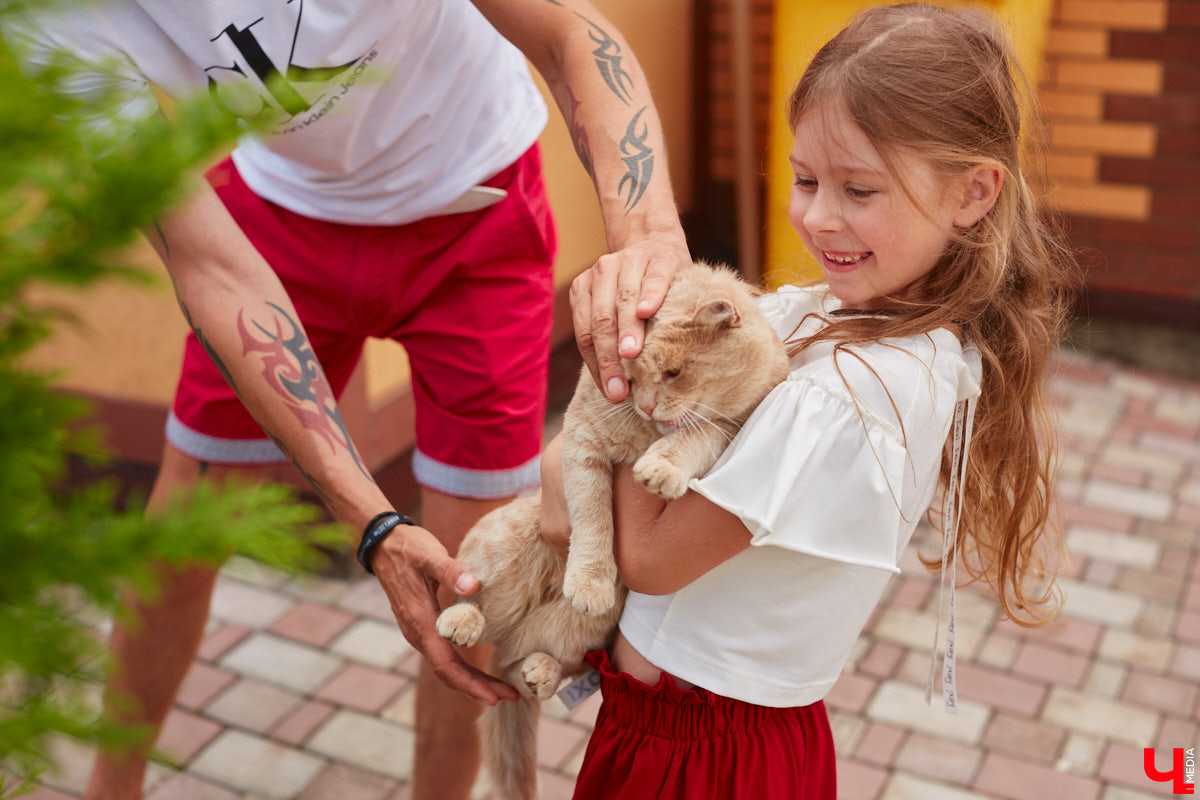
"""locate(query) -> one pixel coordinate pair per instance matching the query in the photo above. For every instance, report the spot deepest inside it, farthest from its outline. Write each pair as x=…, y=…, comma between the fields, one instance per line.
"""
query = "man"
x=398, y=194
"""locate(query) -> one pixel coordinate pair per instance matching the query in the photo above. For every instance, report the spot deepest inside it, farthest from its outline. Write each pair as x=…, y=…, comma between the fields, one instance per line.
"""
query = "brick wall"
x=721, y=159
x=1122, y=90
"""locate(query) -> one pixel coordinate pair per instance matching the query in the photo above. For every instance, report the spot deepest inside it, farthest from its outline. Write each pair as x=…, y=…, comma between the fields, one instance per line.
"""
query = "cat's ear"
x=719, y=313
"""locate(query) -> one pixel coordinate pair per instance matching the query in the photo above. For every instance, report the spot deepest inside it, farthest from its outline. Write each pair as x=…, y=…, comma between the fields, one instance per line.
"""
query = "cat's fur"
x=710, y=356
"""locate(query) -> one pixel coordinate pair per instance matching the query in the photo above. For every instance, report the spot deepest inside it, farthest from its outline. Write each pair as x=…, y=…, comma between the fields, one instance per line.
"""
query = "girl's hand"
x=555, y=522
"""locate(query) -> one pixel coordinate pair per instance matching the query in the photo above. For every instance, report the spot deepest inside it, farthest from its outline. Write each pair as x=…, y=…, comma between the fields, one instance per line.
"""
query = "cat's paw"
x=660, y=477
x=590, y=594
x=541, y=674
x=461, y=623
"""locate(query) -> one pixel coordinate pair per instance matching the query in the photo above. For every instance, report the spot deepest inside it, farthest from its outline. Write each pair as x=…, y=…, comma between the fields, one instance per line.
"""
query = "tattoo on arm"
x=292, y=370
x=608, y=60
x=316, y=485
x=639, y=161
x=579, y=134
x=290, y=367
x=638, y=157
x=212, y=353
x=162, y=238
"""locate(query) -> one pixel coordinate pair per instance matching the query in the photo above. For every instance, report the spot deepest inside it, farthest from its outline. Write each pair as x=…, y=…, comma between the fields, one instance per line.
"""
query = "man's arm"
x=605, y=99
x=240, y=312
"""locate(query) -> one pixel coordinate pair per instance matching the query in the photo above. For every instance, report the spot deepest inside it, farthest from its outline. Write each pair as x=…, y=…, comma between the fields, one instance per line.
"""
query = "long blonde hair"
x=941, y=84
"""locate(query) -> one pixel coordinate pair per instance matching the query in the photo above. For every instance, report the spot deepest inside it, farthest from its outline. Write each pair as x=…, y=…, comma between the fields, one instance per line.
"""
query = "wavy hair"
x=941, y=84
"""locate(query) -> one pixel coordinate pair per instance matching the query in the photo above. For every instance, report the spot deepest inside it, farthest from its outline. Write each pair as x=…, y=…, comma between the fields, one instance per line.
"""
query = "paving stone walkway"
x=304, y=688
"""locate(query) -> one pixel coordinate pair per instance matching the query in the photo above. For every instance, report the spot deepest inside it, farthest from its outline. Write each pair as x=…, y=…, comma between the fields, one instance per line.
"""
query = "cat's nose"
x=647, y=407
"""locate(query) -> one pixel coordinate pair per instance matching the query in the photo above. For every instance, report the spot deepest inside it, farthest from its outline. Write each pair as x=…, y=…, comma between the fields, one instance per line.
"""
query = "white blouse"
x=830, y=474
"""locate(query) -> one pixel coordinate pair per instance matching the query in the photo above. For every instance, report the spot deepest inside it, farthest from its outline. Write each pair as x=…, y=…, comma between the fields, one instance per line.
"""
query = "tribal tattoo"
x=162, y=237
x=639, y=161
x=317, y=487
x=290, y=367
x=225, y=373
x=208, y=348
x=579, y=134
x=608, y=60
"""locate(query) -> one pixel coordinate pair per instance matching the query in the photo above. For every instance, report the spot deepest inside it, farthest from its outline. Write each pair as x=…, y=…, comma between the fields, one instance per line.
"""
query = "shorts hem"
x=476, y=484
x=203, y=447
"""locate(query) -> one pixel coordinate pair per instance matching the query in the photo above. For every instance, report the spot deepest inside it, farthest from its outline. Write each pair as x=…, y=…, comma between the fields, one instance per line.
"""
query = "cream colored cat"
x=710, y=356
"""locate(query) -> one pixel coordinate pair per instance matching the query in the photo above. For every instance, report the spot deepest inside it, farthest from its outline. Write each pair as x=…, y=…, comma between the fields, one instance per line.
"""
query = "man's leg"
x=447, y=748
x=152, y=650
x=478, y=342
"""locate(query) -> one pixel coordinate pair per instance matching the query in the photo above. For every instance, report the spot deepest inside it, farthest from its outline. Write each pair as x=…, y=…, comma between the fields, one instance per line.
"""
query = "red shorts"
x=468, y=295
x=667, y=743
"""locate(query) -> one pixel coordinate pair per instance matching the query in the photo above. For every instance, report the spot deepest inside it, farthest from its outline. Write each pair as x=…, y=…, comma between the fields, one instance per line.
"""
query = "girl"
x=917, y=373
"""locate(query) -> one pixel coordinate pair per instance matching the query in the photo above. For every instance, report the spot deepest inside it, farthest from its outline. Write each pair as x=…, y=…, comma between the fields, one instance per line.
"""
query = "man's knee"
x=179, y=472
x=450, y=517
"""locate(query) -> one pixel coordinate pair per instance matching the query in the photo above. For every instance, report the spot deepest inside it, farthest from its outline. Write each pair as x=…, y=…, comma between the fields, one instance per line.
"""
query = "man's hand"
x=611, y=301
x=410, y=564
x=554, y=522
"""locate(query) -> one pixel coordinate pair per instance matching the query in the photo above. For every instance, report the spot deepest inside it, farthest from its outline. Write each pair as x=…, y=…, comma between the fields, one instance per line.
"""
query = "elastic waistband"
x=669, y=711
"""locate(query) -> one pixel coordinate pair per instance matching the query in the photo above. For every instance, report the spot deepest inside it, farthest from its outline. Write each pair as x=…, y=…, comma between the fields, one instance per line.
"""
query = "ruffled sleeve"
x=810, y=472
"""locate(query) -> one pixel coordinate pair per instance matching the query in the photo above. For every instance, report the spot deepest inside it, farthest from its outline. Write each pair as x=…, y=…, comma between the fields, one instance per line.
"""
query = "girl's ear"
x=980, y=190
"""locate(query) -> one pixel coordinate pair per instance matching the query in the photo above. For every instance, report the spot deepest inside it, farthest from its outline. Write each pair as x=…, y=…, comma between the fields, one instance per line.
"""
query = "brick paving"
x=304, y=688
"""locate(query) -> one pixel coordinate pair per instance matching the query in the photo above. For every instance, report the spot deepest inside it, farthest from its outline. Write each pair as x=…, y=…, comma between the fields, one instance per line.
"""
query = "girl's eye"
x=807, y=184
x=859, y=194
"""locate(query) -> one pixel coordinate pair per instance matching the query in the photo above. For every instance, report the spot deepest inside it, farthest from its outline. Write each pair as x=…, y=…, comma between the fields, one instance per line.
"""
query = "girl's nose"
x=824, y=213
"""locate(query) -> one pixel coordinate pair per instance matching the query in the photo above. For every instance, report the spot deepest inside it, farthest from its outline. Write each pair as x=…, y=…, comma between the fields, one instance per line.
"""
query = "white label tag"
x=580, y=689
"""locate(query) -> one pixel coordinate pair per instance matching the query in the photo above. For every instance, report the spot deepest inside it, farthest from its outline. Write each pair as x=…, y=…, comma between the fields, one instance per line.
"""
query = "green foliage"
x=64, y=218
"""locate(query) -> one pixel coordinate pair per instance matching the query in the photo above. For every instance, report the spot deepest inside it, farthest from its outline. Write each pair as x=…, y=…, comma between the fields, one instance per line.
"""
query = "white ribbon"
x=964, y=420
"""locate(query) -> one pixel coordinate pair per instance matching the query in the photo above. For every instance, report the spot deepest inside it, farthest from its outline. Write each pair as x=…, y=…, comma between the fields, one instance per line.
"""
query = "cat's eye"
x=671, y=373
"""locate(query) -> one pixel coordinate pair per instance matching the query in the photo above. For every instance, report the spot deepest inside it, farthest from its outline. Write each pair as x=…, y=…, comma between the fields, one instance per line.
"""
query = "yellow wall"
x=127, y=343
x=122, y=340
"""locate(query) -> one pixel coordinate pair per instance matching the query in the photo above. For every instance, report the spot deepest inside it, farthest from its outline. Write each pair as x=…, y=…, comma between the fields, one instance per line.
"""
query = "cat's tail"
x=508, y=734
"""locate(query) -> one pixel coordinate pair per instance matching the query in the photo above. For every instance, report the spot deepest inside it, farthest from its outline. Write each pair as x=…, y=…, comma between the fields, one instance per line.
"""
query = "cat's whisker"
x=693, y=414
x=688, y=421
x=620, y=408
x=693, y=421
x=730, y=420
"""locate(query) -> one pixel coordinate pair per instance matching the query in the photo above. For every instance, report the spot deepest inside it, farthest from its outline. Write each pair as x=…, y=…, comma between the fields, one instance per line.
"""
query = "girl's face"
x=870, y=239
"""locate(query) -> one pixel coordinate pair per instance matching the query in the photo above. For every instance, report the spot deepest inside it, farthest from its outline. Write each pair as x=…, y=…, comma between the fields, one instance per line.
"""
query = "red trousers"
x=667, y=743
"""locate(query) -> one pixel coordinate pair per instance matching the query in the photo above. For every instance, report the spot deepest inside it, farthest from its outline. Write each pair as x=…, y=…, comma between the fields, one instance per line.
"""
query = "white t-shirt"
x=382, y=112
x=831, y=483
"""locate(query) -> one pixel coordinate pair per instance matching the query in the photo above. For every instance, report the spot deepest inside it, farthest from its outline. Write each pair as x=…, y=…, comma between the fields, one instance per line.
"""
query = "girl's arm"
x=663, y=546
x=660, y=547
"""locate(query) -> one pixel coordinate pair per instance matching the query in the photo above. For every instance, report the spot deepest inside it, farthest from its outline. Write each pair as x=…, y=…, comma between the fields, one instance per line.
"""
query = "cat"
x=709, y=357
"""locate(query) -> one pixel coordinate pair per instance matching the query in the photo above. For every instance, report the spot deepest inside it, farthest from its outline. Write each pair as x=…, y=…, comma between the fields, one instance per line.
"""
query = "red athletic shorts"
x=667, y=743
x=468, y=295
